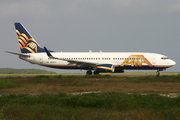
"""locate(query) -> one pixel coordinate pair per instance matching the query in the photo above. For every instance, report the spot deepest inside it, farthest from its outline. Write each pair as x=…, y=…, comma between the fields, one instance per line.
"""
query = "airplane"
x=98, y=62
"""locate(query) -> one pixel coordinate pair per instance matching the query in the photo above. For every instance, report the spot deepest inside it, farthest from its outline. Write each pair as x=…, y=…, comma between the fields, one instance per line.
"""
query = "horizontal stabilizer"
x=19, y=54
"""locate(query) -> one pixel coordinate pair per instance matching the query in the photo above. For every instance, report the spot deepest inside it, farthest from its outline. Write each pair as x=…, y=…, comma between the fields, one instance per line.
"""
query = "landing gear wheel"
x=89, y=72
x=96, y=72
x=157, y=73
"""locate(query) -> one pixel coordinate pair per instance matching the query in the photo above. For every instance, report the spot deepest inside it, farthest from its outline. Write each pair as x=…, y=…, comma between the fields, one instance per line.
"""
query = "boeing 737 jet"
x=115, y=62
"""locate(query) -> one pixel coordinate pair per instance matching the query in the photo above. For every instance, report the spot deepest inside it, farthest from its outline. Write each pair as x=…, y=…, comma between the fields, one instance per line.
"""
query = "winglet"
x=47, y=52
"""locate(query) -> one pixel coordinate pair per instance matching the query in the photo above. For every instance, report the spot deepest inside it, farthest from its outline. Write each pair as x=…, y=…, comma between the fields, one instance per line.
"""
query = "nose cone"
x=173, y=63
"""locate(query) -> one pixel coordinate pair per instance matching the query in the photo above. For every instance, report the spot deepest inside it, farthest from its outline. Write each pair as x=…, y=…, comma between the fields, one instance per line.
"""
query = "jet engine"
x=105, y=68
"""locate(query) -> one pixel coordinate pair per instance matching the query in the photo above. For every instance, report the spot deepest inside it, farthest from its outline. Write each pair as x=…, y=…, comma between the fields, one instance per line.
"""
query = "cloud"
x=174, y=7
x=121, y=6
x=150, y=6
x=31, y=8
x=46, y=8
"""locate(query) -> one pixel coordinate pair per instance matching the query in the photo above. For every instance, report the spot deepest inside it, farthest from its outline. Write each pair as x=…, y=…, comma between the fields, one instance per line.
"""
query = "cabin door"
x=154, y=59
x=41, y=59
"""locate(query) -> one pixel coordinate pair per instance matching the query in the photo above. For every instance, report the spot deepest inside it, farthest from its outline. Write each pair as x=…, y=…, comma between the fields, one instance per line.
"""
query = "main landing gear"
x=96, y=72
x=89, y=72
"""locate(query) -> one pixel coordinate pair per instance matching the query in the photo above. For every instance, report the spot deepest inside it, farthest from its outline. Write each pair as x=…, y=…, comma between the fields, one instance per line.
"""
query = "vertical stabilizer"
x=26, y=42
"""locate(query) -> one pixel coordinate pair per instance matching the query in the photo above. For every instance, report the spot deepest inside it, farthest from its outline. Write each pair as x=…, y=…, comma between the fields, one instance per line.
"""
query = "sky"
x=83, y=25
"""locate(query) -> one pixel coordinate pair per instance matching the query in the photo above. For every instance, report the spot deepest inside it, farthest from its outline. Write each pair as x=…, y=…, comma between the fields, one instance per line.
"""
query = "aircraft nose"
x=173, y=62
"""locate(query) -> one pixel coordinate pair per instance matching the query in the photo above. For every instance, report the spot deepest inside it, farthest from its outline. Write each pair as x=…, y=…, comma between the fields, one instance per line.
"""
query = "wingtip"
x=47, y=52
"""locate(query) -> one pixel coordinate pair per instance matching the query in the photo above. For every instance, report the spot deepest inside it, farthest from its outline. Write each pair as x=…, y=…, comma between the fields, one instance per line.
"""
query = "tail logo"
x=26, y=43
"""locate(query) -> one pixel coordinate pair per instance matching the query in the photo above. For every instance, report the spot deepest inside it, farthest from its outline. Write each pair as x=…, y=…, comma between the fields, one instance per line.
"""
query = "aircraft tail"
x=26, y=42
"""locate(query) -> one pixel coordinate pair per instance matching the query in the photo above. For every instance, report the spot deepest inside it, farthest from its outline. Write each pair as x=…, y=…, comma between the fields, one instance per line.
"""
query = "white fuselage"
x=124, y=60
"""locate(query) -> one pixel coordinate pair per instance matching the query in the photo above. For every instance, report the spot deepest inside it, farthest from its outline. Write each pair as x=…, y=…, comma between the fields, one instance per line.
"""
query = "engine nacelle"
x=105, y=68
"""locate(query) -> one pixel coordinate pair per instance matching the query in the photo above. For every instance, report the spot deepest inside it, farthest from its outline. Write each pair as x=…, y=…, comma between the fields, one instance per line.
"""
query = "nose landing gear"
x=157, y=73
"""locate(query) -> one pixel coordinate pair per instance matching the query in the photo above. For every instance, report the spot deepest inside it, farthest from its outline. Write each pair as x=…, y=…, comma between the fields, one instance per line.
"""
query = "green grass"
x=60, y=77
x=9, y=75
x=163, y=78
x=67, y=80
x=101, y=106
x=12, y=82
x=87, y=106
x=8, y=84
x=126, y=73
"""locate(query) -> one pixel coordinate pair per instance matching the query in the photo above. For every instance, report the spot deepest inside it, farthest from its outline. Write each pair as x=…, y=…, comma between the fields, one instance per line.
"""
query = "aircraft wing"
x=18, y=54
x=77, y=62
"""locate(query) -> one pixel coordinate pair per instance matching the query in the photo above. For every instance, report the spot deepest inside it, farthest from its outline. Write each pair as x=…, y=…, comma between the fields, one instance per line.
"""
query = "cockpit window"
x=164, y=58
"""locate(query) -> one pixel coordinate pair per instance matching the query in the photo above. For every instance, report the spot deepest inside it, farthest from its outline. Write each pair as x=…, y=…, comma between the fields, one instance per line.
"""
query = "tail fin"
x=26, y=42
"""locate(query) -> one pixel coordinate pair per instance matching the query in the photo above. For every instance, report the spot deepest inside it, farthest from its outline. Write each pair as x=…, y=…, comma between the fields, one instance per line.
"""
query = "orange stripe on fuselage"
x=163, y=66
x=60, y=65
x=116, y=65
